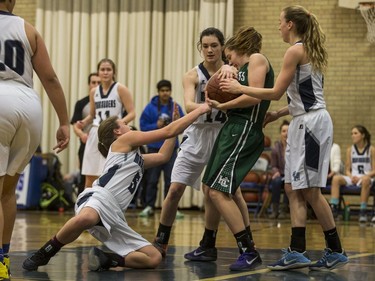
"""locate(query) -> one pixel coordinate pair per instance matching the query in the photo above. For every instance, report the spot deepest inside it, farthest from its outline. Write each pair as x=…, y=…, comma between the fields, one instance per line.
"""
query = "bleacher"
x=351, y=191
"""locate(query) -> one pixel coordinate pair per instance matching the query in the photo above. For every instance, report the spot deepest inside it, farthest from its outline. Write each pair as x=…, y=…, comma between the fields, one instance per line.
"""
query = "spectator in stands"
x=335, y=164
x=277, y=182
x=359, y=171
x=157, y=114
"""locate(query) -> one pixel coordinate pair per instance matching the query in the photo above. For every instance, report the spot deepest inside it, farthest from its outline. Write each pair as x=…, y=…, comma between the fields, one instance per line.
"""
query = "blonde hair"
x=313, y=37
x=106, y=134
x=245, y=41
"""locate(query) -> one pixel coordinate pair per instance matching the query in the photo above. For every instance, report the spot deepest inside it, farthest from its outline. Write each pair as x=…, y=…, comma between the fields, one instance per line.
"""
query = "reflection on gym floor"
x=34, y=228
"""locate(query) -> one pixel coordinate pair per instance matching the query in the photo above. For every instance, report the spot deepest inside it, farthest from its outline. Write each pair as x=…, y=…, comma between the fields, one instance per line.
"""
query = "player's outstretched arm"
x=139, y=138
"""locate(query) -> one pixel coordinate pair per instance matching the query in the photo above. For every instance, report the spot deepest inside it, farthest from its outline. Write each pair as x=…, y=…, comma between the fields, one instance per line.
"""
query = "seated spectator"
x=359, y=171
x=335, y=164
x=277, y=182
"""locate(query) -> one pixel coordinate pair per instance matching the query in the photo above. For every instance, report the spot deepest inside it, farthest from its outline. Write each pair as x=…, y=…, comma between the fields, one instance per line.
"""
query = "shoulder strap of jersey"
x=204, y=71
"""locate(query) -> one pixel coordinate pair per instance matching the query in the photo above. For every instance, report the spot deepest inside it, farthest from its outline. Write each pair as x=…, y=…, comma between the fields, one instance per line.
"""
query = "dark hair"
x=164, y=83
x=284, y=123
x=106, y=135
x=91, y=75
x=211, y=31
x=245, y=41
x=111, y=63
x=364, y=131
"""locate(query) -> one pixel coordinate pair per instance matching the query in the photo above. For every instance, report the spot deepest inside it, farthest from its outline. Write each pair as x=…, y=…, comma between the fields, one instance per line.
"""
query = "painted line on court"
x=248, y=273
x=231, y=276
x=361, y=255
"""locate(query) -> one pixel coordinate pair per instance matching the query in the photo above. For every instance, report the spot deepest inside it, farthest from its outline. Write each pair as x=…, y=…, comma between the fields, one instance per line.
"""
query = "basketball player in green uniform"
x=241, y=140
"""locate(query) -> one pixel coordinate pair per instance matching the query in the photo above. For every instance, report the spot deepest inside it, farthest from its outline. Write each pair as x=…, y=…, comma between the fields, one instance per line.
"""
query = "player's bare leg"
x=168, y=215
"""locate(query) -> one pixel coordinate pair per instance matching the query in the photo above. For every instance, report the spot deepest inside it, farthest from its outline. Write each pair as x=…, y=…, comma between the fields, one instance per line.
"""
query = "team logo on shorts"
x=296, y=176
x=223, y=181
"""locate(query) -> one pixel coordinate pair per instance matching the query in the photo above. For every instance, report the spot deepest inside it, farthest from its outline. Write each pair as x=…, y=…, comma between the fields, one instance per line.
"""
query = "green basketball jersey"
x=256, y=112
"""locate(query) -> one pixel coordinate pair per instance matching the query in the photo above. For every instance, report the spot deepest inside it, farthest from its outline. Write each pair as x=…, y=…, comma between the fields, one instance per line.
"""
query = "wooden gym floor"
x=34, y=228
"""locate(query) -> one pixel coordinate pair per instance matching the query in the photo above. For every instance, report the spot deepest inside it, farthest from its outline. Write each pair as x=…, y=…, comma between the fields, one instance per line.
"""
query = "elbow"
x=50, y=82
x=171, y=131
x=131, y=115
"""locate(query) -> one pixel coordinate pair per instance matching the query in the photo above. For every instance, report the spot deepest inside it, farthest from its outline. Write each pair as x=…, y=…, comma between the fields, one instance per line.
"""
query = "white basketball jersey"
x=15, y=50
x=305, y=92
x=107, y=105
x=122, y=174
x=215, y=117
x=361, y=162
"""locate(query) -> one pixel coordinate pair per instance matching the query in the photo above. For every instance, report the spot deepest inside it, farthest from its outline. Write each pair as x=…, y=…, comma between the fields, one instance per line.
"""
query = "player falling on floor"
x=101, y=208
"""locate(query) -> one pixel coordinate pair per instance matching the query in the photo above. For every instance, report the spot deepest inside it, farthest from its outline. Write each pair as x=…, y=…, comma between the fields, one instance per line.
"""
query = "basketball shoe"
x=37, y=259
x=362, y=216
x=146, y=212
x=98, y=260
x=290, y=260
x=246, y=261
x=202, y=254
x=4, y=275
x=330, y=260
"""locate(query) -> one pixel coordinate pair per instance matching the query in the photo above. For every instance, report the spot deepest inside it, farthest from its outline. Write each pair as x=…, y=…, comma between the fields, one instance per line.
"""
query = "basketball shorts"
x=115, y=233
x=20, y=126
x=237, y=148
x=308, y=149
x=193, y=155
x=93, y=160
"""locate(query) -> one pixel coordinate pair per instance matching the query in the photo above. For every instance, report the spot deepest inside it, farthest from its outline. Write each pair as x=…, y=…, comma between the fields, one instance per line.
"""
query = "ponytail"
x=106, y=134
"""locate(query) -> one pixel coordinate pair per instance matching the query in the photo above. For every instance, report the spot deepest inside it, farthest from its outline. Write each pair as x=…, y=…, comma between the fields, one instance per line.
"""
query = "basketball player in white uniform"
x=195, y=149
x=309, y=135
x=359, y=171
x=110, y=98
x=22, y=50
x=101, y=208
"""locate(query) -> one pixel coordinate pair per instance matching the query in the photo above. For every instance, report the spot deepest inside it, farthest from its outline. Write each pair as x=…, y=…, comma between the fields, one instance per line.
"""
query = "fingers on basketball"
x=215, y=93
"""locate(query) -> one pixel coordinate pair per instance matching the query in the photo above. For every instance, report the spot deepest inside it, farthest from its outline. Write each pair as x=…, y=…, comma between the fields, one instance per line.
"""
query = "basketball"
x=265, y=178
x=215, y=93
x=252, y=177
x=267, y=141
x=250, y=196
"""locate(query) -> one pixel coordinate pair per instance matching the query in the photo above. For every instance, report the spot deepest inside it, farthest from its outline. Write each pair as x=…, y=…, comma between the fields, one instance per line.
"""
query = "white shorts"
x=93, y=160
x=115, y=233
x=21, y=124
x=194, y=153
x=308, y=149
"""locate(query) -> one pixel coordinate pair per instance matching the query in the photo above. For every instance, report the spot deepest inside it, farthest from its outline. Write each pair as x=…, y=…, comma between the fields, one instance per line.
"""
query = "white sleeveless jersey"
x=361, y=162
x=215, y=117
x=122, y=174
x=107, y=105
x=15, y=50
x=305, y=92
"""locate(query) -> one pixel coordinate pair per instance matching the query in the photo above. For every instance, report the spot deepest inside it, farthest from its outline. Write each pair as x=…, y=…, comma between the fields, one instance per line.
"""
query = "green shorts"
x=237, y=148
